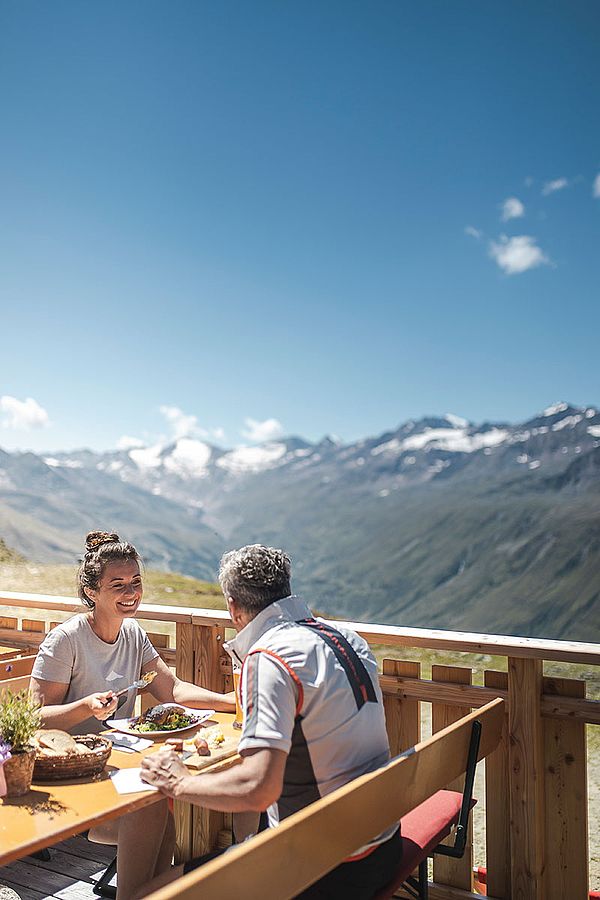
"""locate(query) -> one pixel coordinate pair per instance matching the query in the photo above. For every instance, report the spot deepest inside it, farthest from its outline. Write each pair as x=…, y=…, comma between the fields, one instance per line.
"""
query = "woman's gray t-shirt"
x=73, y=654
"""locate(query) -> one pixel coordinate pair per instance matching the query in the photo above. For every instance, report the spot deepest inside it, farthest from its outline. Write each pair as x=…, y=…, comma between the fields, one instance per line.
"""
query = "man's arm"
x=252, y=785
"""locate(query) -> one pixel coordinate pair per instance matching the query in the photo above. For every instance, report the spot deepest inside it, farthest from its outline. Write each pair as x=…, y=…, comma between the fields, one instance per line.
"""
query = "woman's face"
x=120, y=589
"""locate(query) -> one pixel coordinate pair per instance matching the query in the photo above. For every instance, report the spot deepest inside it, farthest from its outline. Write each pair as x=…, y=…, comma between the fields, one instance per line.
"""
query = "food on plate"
x=163, y=718
x=175, y=743
x=52, y=742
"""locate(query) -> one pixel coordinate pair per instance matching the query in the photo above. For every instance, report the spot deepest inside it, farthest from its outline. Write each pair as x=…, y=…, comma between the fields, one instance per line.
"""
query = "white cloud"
x=517, y=254
x=181, y=423
x=22, y=414
x=557, y=185
x=257, y=432
x=512, y=208
x=473, y=232
x=185, y=425
x=596, y=186
x=129, y=443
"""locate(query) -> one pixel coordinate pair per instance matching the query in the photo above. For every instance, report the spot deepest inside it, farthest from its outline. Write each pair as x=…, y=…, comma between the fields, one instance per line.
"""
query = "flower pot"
x=18, y=772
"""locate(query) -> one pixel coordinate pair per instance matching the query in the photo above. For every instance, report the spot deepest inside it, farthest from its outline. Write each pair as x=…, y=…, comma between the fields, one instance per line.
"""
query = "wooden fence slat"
x=208, y=649
x=497, y=809
x=182, y=812
x=158, y=640
x=565, y=780
x=403, y=717
x=15, y=684
x=14, y=668
x=526, y=774
x=457, y=873
x=553, y=706
x=38, y=626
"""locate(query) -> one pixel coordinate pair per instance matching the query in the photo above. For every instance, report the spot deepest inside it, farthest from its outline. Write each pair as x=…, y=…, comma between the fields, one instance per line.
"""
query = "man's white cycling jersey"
x=312, y=691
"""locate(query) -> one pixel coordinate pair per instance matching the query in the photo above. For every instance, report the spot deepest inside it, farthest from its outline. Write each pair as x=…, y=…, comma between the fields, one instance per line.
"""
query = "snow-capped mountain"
x=402, y=526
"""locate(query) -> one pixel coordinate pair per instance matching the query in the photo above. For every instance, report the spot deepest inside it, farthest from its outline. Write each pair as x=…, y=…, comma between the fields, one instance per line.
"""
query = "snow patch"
x=189, y=459
x=457, y=421
x=251, y=459
x=555, y=408
x=146, y=457
x=63, y=463
x=590, y=413
x=393, y=446
x=568, y=421
x=594, y=430
x=534, y=464
x=455, y=440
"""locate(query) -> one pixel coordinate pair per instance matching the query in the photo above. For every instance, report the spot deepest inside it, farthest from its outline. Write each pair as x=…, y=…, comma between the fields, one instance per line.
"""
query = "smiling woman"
x=83, y=664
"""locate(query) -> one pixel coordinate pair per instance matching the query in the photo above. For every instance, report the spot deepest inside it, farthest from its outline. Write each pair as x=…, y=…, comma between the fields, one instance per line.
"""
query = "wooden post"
x=182, y=812
x=457, y=873
x=402, y=717
x=565, y=780
x=526, y=772
x=208, y=649
x=497, y=806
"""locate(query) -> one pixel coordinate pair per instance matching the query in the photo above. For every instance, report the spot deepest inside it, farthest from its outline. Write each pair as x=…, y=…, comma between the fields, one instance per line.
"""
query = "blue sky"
x=323, y=217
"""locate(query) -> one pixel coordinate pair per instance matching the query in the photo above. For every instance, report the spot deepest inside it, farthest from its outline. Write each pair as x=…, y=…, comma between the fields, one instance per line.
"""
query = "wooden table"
x=51, y=812
x=7, y=652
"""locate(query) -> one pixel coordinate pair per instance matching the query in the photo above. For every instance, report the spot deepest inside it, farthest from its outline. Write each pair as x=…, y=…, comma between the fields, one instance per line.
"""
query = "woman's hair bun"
x=95, y=539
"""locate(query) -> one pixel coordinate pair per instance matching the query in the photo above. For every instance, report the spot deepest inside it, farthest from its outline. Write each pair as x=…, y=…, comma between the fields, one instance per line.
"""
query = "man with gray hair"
x=313, y=717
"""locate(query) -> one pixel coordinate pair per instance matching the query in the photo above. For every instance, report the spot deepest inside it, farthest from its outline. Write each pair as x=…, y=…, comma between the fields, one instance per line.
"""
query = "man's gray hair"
x=255, y=576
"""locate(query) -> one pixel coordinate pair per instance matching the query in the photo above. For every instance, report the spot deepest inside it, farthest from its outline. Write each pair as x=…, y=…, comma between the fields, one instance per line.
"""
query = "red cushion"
x=422, y=829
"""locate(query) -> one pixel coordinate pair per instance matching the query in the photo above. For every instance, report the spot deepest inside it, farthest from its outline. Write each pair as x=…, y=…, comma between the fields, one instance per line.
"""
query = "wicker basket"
x=82, y=765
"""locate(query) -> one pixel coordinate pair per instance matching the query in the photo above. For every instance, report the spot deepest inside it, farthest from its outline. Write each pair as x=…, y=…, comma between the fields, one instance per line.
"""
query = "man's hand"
x=165, y=771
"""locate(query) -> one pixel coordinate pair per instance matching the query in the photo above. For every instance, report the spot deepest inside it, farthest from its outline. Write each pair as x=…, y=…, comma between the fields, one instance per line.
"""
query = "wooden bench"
x=284, y=861
x=15, y=674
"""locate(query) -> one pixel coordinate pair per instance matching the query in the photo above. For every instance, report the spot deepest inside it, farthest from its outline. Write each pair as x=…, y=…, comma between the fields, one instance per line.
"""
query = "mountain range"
x=441, y=522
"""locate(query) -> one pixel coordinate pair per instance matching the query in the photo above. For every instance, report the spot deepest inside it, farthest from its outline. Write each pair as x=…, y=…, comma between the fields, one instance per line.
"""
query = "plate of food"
x=161, y=720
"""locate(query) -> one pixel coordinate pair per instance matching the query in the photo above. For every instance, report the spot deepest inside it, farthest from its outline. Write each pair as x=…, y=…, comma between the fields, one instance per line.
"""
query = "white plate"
x=124, y=725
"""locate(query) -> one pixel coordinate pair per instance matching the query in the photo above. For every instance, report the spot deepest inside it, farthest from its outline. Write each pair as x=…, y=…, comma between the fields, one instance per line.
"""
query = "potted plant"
x=20, y=718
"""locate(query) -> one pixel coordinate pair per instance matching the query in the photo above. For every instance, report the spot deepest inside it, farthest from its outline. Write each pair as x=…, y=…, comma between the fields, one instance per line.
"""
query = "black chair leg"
x=103, y=887
x=423, y=881
x=44, y=855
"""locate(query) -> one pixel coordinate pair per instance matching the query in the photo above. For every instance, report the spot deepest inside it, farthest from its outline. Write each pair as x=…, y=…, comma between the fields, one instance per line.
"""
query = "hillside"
x=440, y=522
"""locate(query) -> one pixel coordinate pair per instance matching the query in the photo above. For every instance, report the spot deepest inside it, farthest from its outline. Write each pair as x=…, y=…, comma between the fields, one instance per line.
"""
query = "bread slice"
x=59, y=742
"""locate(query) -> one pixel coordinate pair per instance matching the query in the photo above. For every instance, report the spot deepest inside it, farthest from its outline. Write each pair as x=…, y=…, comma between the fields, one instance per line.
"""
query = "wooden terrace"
x=533, y=833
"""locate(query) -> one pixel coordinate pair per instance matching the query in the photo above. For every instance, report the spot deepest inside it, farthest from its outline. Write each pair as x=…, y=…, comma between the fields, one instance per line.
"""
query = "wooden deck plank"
x=69, y=874
x=25, y=893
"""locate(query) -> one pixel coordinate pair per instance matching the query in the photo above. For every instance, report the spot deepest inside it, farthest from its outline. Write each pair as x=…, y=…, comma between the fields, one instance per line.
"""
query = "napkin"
x=129, y=781
x=129, y=742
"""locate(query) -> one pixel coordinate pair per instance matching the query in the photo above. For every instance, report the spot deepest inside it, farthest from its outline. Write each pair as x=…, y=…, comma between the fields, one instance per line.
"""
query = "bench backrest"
x=283, y=861
x=15, y=673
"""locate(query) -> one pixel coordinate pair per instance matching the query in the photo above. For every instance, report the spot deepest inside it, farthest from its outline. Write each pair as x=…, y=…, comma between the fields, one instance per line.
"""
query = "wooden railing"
x=536, y=822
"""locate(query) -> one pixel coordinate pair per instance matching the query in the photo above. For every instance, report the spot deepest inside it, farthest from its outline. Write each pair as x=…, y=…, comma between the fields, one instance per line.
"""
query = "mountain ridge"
x=485, y=527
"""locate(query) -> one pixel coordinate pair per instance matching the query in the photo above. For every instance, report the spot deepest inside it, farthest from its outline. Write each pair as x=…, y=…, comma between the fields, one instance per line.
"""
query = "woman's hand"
x=102, y=705
x=165, y=771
